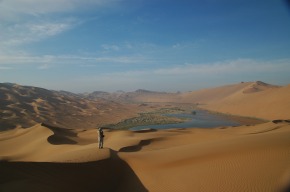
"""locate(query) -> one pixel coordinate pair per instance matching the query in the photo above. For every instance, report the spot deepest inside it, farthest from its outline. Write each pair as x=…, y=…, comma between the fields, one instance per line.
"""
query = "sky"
x=160, y=45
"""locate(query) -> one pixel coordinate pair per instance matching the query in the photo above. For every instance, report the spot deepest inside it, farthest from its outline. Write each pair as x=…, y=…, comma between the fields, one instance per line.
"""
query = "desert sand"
x=250, y=99
x=245, y=158
x=252, y=157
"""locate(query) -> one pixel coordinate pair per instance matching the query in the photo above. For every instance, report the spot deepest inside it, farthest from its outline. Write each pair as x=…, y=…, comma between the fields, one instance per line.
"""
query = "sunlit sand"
x=245, y=158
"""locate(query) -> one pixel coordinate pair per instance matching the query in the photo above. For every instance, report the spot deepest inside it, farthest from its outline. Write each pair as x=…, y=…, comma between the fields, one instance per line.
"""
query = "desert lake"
x=199, y=118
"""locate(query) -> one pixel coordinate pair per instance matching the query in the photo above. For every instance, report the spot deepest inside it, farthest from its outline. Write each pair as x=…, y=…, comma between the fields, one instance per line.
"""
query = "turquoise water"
x=201, y=119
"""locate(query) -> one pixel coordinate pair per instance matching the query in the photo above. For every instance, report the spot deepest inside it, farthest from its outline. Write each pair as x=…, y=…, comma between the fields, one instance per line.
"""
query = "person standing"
x=101, y=138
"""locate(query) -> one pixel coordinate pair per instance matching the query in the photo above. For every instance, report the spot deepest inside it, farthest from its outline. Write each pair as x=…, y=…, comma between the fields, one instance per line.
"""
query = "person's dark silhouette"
x=101, y=138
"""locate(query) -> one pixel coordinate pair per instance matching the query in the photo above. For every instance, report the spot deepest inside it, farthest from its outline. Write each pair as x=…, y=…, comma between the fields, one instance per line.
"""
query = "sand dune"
x=270, y=103
x=250, y=99
x=48, y=157
x=41, y=144
x=232, y=159
x=31, y=161
x=246, y=158
x=111, y=174
x=26, y=106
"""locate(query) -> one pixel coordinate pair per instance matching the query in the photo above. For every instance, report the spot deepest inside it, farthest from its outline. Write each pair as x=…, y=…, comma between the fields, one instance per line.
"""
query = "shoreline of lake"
x=241, y=119
x=202, y=119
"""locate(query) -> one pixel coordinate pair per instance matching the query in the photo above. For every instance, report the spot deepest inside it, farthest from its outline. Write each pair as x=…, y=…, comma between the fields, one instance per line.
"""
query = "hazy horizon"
x=161, y=45
x=138, y=89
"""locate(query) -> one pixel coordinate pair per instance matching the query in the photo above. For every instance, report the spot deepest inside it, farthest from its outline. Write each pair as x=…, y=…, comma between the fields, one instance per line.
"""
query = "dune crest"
x=245, y=158
x=232, y=159
x=50, y=156
x=259, y=86
x=257, y=100
x=39, y=145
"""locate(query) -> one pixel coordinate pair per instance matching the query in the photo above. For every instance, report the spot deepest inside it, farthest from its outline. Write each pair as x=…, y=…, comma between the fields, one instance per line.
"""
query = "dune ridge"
x=26, y=106
x=245, y=158
x=51, y=156
x=269, y=102
x=112, y=174
x=250, y=99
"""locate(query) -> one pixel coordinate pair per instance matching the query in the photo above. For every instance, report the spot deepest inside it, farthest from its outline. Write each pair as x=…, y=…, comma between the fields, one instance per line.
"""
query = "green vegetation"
x=151, y=118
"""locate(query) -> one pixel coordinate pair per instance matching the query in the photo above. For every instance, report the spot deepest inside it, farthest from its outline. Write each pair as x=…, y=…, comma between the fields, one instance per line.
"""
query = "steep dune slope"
x=246, y=158
x=256, y=100
x=26, y=106
x=213, y=94
x=41, y=144
x=30, y=162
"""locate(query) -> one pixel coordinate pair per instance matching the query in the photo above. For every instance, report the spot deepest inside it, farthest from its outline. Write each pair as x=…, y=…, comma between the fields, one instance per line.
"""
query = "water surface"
x=201, y=119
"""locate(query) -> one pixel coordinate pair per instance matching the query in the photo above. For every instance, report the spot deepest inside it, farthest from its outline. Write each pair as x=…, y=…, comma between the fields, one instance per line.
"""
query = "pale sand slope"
x=249, y=158
x=34, y=160
x=32, y=144
x=246, y=158
x=251, y=99
x=255, y=99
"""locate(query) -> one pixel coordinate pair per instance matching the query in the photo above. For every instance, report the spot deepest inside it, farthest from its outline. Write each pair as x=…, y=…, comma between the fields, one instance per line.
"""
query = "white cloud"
x=122, y=59
x=226, y=67
x=22, y=33
x=13, y=9
x=190, y=76
x=48, y=29
x=110, y=47
x=183, y=78
x=29, y=21
x=127, y=81
x=5, y=68
x=45, y=60
x=44, y=66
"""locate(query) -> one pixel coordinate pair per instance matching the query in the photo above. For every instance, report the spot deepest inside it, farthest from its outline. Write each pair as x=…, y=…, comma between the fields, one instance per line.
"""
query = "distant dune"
x=256, y=99
x=26, y=106
x=250, y=99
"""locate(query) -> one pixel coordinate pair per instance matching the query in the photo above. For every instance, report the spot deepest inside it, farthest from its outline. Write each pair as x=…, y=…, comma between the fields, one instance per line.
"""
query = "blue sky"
x=162, y=45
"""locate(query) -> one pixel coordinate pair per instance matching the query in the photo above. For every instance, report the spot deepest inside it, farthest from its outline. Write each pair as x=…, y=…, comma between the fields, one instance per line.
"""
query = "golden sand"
x=246, y=158
x=225, y=159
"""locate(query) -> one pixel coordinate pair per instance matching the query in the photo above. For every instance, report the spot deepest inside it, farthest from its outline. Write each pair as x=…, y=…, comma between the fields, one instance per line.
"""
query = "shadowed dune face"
x=245, y=158
x=110, y=175
x=281, y=121
x=27, y=106
x=60, y=135
x=135, y=148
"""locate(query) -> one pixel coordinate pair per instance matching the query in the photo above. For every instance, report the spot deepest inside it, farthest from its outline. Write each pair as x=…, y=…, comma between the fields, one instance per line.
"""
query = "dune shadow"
x=60, y=135
x=60, y=139
x=149, y=130
x=110, y=175
x=281, y=121
x=179, y=130
x=286, y=189
x=135, y=148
